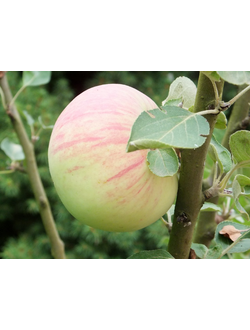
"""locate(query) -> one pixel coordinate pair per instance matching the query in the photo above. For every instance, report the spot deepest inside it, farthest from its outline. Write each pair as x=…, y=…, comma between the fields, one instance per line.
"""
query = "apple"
x=98, y=182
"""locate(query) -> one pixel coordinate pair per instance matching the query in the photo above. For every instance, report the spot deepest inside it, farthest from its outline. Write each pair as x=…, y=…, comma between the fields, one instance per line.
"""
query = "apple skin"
x=97, y=181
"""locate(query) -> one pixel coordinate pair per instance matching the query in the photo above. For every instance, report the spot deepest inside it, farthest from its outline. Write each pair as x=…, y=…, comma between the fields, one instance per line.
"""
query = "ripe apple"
x=97, y=181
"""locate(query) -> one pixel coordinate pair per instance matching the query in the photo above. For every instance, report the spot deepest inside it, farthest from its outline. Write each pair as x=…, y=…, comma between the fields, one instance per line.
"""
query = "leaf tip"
x=131, y=146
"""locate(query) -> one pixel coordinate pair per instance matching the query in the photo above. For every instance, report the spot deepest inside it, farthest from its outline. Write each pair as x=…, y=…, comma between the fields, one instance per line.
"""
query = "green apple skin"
x=97, y=181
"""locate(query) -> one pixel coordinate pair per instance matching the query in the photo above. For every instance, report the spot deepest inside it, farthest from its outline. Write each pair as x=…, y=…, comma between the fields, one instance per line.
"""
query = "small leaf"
x=177, y=128
x=237, y=192
x=200, y=250
x=210, y=207
x=182, y=88
x=221, y=122
x=36, y=78
x=239, y=143
x=153, y=254
x=236, y=189
x=244, y=182
x=163, y=162
x=241, y=209
x=221, y=155
x=214, y=252
x=235, y=77
x=12, y=150
x=231, y=232
x=203, y=252
x=29, y=118
x=242, y=246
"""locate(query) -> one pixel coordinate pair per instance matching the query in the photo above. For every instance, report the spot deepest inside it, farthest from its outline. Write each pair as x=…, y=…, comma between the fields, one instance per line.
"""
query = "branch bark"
x=57, y=245
x=190, y=197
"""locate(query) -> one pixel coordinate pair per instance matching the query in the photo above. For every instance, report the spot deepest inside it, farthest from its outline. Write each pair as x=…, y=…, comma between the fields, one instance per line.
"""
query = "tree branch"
x=57, y=246
x=190, y=196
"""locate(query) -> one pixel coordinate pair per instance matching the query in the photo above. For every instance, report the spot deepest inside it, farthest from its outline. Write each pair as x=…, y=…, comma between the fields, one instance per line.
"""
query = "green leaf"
x=244, y=182
x=203, y=252
x=29, y=118
x=12, y=150
x=212, y=75
x=221, y=122
x=236, y=189
x=241, y=209
x=200, y=250
x=36, y=78
x=239, y=143
x=221, y=155
x=163, y=162
x=153, y=254
x=182, y=88
x=176, y=128
x=242, y=246
x=214, y=252
x=210, y=207
x=237, y=192
x=235, y=77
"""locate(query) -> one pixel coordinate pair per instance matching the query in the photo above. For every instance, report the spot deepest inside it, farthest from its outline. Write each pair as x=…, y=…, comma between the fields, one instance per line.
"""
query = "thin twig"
x=236, y=97
x=57, y=246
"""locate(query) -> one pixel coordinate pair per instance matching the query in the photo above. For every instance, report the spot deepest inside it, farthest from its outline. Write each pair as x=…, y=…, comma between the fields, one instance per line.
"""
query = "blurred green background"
x=21, y=231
